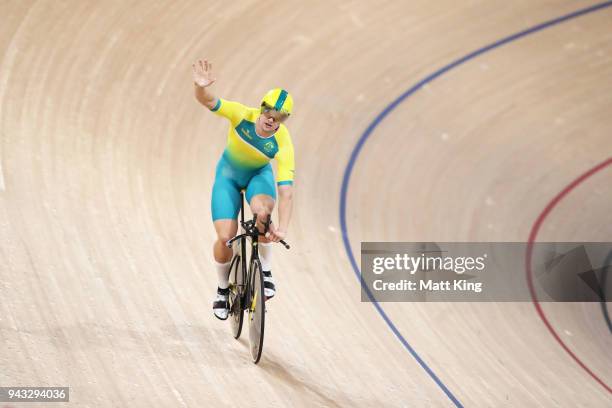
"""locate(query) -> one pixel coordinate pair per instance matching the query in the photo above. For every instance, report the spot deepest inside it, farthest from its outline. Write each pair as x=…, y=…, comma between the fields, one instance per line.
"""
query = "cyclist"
x=255, y=137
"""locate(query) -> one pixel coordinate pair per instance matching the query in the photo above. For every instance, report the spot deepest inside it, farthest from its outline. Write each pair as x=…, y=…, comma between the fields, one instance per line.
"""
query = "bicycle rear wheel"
x=236, y=285
x=257, y=311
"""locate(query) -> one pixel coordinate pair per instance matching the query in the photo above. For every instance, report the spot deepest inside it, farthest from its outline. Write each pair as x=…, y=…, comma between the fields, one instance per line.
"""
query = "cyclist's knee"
x=224, y=237
x=226, y=230
x=261, y=204
x=261, y=210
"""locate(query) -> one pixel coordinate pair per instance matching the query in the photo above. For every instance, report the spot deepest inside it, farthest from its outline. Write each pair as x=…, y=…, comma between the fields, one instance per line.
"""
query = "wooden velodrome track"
x=107, y=164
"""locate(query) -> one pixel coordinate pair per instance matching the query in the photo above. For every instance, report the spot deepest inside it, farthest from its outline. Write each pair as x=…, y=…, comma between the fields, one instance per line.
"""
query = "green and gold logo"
x=268, y=147
x=247, y=133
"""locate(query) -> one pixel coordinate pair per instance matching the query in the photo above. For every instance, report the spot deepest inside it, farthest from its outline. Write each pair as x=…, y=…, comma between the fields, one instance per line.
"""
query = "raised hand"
x=202, y=73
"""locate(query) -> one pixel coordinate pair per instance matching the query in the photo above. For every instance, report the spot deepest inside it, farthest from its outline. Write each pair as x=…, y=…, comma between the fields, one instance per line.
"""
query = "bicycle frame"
x=250, y=231
x=247, y=290
x=245, y=278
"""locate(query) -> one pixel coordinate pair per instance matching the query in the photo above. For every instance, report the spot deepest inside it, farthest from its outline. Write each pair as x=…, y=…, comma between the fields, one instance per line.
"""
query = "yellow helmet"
x=278, y=99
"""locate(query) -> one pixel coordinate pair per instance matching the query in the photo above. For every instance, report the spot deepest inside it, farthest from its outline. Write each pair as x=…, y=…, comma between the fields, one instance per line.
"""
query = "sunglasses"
x=270, y=112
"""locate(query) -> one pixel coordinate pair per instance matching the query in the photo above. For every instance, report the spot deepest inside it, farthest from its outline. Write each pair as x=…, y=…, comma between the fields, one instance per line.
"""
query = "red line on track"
x=532, y=237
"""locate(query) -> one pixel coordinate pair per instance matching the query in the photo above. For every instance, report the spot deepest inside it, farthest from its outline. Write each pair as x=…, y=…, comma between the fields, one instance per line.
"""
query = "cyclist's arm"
x=285, y=206
x=286, y=165
x=203, y=79
x=234, y=111
x=205, y=97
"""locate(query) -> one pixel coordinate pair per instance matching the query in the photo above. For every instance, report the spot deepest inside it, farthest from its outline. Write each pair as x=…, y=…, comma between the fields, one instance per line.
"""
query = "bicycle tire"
x=236, y=296
x=256, y=311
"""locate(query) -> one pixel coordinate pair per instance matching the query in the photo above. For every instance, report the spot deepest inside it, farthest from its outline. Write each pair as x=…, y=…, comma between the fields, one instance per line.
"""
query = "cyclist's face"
x=271, y=119
x=276, y=116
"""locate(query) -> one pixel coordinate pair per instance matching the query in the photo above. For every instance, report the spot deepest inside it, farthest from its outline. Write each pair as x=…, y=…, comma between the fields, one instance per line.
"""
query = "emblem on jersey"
x=246, y=133
x=268, y=147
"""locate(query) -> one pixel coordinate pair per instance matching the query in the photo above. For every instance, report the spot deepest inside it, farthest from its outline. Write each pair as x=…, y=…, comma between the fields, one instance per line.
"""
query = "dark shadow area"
x=308, y=390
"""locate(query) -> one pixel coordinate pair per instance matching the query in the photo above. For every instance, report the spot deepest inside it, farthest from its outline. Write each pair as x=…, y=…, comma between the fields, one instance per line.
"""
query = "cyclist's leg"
x=225, y=205
x=226, y=230
x=261, y=195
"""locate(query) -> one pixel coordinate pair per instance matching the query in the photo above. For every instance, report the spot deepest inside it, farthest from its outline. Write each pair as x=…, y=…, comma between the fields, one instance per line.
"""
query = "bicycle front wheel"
x=257, y=311
x=236, y=295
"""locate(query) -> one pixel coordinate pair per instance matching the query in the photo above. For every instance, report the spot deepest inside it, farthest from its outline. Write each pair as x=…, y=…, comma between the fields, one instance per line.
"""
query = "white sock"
x=223, y=274
x=265, y=256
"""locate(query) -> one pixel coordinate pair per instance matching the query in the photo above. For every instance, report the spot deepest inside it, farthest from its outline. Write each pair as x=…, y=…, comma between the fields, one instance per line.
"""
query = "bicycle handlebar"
x=231, y=241
x=251, y=230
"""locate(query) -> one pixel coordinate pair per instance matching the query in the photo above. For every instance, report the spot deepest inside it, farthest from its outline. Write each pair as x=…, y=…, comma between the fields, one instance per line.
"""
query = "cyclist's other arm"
x=203, y=78
x=285, y=205
x=286, y=166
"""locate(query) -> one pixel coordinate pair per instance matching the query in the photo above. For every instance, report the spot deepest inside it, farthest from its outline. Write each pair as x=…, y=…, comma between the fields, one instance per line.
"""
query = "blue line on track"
x=379, y=118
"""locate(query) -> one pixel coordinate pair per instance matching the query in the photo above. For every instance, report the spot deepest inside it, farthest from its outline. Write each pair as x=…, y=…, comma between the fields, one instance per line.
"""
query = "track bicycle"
x=247, y=285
